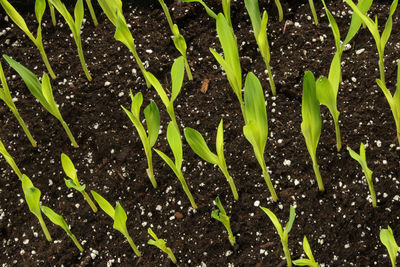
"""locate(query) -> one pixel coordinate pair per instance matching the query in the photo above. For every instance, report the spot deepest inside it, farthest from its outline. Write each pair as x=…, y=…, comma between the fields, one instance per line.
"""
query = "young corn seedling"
x=283, y=233
x=73, y=182
x=311, y=124
x=220, y=215
x=380, y=40
x=52, y=13
x=10, y=160
x=199, y=146
x=256, y=128
x=6, y=97
x=91, y=11
x=113, y=10
x=32, y=197
x=280, y=11
x=43, y=93
x=177, y=73
x=361, y=158
x=387, y=239
x=327, y=91
x=152, y=117
x=208, y=10
x=178, y=39
x=161, y=244
x=312, y=7
x=118, y=215
x=40, y=6
x=226, y=8
x=260, y=33
x=175, y=143
x=394, y=101
x=231, y=62
x=59, y=220
x=306, y=262
x=75, y=26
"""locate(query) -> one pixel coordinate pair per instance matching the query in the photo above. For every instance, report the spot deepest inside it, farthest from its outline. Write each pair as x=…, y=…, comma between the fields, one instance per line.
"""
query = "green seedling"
x=118, y=215
x=73, y=182
x=75, y=26
x=32, y=197
x=43, y=93
x=256, y=128
x=113, y=10
x=52, y=13
x=387, y=239
x=178, y=39
x=380, y=40
x=208, y=10
x=280, y=11
x=361, y=158
x=394, y=101
x=175, y=143
x=161, y=244
x=260, y=33
x=327, y=91
x=311, y=124
x=59, y=220
x=177, y=73
x=200, y=147
x=283, y=233
x=231, y=62
x=91, y=11
x=306, y=262
x=6, y=97
x=226, y=8
x=148, y=139
x=10, y=160
x=220, y=215
x=40, y=6
x=356, y=21
x=312, y=7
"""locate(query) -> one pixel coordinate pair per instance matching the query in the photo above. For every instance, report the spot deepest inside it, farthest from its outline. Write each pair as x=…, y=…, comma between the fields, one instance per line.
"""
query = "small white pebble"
x=360, y=51
x=256, y=203
x=107, y=83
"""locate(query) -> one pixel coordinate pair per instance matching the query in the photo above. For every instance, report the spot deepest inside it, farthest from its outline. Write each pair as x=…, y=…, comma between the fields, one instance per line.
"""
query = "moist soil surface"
x=340, y=223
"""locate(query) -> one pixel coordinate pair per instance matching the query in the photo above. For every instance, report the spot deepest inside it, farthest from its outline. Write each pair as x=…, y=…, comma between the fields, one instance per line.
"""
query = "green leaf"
x=110, y=8
x=169, y=162
x=356, y=21
x=32, y=196
x=262, y=39
x=78, y=14
x=199, y=146
x=17, y=18
x=10, y=160
x=152, y=116
x=158, y=87
x=137, y=102
x=26, y=183
x=71, y=184
x=326, y=95
x=40, y=7
x=274, y=220
x=177, y=74
x=120, y=218
x=179, y=42
x=307, y=249
x=289, y=224
x=122, y=32
x=334, y=26
x=55, y=218
x=208, y=10
x=47, y=92
x=220, y=141
x=303, y=262
x=175, y=142
x=387, y=239
x=69, y=168
x=254, y=13
x=361, y=159
x=103, y=204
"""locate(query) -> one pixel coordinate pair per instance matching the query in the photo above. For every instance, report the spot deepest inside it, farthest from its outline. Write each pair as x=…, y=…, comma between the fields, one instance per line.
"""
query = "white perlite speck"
x=107, y=83
x=360, y=51
x=256, y=203
x=287, y=162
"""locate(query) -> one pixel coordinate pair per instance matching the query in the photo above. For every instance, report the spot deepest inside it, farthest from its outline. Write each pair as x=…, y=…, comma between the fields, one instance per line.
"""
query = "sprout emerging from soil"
x=260, y=33
x=10, y=160
x=70, y=171
x=311, y=124
x=387, y=239
x=256, y=128
x=119, y=216
x=394, y=101
x=315, y=16
x=178, y=39
x=200, y=147
x=75, y=26
x=161, y=244
x=59, y=220
x=283, y=233
x=380, y=40
x=361, y=158
x=220, y=215
x=152, y=117
x=6, y=97
x=306, y=262
x=52, y=13
x=43, y=93
x=91, y=11
x=280, y=11
x=40, y=6
x=32, y=197
x=175, y=143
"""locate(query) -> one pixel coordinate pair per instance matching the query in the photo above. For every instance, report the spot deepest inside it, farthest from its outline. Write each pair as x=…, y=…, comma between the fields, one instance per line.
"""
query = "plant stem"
x=382, y=69
x=53, y=14
x=150, y=174
x=82, y=60
x=76, y=242
x=187, y=67
x=140, y=64
x=45, y=59
x=171, y=255
x=311, y=2
x=318, y=176
x=338, y=137
x=24, y=127
x=149, y=170
x=268, y=181
x=287, y=254
x=372, y=191
x=280, y=11
x=271, y=80
x=187, y=191
x=44, y=228
x=91, y=11
x=242, y=109
x=133, y=246
x=89, y=201
x=231, y=238
x=70, y=136
x=231, y=182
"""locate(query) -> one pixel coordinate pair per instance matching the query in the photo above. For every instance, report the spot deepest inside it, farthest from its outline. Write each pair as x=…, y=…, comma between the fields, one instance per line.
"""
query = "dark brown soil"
x=340, y=224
